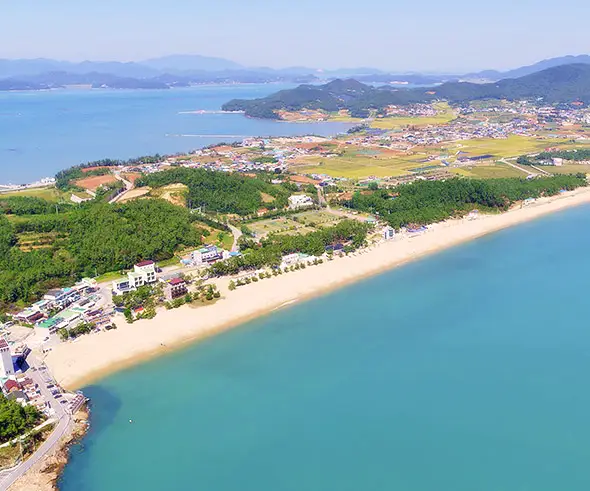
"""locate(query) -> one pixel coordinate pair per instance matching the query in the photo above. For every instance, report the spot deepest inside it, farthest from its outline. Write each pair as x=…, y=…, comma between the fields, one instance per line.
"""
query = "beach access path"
x=82, y=361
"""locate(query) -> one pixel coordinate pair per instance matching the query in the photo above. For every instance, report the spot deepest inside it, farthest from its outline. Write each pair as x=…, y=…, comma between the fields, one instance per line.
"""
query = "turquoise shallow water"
x=466, y=371
x=44, y=132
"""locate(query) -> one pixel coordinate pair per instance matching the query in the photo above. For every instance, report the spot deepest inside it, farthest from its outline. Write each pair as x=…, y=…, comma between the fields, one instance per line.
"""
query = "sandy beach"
x=91, y=357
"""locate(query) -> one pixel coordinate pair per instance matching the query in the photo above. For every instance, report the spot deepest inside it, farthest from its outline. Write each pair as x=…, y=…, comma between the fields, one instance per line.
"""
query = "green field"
x=49, y=193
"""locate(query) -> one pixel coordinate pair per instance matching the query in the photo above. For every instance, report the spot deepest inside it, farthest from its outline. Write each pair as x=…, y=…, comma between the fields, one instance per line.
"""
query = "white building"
x=300, y=201
x=6, y=365
x=144, y=273
x=388, y=233
x=207, y=254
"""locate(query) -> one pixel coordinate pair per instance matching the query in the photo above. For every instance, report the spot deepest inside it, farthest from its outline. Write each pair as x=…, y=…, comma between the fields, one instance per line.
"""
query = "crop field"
x=567, y=169
x=445, y=115
x=487, y=171
x=513, y=146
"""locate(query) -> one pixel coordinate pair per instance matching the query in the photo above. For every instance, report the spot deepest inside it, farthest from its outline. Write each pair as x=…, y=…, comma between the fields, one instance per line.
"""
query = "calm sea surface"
x=44, y=132
x=466, y=371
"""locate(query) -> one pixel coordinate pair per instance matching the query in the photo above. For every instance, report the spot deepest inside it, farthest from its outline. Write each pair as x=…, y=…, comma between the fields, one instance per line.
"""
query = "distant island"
x=185, y=70
x=561, y=84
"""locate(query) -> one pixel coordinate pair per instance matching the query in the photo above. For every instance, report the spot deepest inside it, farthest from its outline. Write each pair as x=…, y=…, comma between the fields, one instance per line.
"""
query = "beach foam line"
x=91, y=357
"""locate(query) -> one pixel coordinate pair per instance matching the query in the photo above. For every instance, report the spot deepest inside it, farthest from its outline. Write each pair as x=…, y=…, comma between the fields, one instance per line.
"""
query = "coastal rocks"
x=44, y=475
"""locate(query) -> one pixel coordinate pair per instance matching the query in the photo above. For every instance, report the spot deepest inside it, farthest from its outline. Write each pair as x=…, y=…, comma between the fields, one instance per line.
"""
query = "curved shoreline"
x=90, y=358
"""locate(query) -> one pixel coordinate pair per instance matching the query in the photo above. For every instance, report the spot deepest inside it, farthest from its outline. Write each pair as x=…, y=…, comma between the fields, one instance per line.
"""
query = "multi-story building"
x=144, y=273
x=207, y=254
x=175, y=288
x=6, y=365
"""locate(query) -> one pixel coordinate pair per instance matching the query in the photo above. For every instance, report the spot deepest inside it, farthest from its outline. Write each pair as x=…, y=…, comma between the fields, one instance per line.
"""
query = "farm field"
x=29, y=241
x=567, y=169
x=358, y=163
x=513, y=146
x=94, y=182
x=487, y=171
x=445, y=116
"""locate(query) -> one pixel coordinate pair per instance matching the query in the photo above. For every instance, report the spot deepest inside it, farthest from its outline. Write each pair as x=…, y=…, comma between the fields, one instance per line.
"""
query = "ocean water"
x=465, y=371
x=44, y=132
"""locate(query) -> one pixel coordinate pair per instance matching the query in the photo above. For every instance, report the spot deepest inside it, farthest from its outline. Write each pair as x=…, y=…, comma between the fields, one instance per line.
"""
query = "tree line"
x=425, y=202
x=546, y=158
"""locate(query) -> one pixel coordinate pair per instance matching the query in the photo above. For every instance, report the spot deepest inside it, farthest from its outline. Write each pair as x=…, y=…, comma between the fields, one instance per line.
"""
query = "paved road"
x=237, y=233
x=39, y=374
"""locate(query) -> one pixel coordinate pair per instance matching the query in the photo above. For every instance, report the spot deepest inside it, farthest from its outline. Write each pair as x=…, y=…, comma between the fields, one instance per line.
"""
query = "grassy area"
x=301, y=223
x=316, y=217
x=107, y=277
x=173, y=261
x=49, y=193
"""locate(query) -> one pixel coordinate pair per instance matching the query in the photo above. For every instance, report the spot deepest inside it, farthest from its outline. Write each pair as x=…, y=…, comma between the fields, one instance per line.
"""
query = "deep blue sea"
x=44, y=132
x=465, y=371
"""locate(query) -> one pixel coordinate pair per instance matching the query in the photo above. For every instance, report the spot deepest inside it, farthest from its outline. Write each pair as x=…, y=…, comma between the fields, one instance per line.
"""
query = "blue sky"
x=426, y=35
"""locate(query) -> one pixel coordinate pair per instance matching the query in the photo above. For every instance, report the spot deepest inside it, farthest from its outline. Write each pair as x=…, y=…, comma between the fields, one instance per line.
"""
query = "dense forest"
x=220, y=191
x=15, y=419
x=424, y=202
x=546, y=158
x=566, y=83
x=269, y=253
x=89, y=240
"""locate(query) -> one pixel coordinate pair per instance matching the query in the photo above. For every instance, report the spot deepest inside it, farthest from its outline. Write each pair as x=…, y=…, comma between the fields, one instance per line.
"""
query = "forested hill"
x=565, y=83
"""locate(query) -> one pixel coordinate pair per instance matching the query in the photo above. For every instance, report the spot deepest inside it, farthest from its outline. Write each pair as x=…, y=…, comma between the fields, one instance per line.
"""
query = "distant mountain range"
x=560, y=84
x=183, y=70
x=493, y=75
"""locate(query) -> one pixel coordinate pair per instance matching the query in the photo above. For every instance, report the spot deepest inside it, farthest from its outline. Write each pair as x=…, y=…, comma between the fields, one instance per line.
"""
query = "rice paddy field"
x=358, y=163
x=513, y=146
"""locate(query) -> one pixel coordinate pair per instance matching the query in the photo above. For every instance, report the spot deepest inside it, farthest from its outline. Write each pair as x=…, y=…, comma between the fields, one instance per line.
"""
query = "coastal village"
x=420, y=142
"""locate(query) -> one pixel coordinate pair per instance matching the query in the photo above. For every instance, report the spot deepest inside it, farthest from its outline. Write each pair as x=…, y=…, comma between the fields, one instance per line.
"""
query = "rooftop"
x=144, y=263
